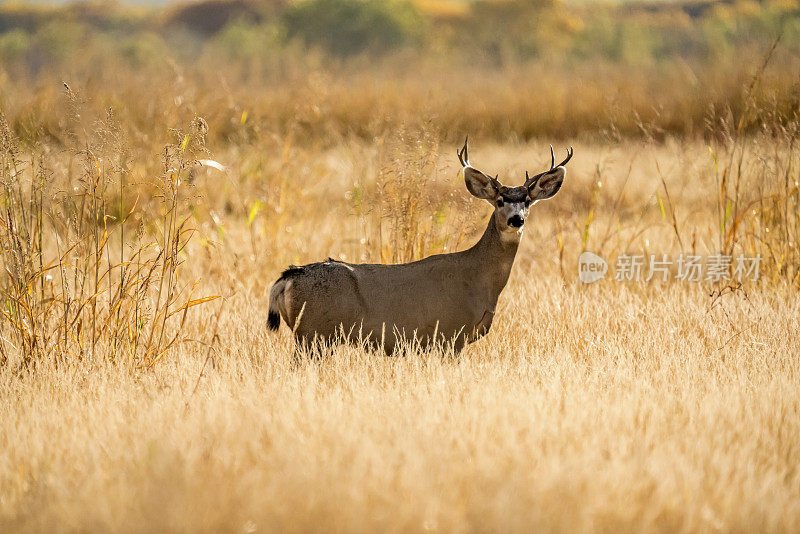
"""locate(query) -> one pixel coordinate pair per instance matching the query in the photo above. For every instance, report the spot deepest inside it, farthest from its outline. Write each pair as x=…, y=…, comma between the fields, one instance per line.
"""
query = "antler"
x=530, y=181
x=463, y=157
x=569, y=157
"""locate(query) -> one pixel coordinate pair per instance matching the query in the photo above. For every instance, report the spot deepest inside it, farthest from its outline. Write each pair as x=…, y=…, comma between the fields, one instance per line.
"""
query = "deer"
x=445, y=298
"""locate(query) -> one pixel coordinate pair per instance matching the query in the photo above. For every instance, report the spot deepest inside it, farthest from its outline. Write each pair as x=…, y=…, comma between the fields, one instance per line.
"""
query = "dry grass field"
x=614, y=406
x=598, y=410
x=148, y=204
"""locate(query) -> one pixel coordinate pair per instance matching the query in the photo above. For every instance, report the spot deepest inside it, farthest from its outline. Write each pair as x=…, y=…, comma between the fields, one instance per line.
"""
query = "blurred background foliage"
x=494, y=30
x=349, y=27
x=508, y=69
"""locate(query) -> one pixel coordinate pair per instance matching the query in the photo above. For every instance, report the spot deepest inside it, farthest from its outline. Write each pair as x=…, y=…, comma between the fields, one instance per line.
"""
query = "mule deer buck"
x=446, y=298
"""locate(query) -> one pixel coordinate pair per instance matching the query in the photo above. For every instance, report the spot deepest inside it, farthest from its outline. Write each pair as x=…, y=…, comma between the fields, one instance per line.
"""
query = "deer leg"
x=483, y=326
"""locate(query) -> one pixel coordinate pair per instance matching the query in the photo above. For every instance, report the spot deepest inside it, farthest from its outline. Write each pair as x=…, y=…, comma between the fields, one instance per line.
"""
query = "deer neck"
x=494, y=253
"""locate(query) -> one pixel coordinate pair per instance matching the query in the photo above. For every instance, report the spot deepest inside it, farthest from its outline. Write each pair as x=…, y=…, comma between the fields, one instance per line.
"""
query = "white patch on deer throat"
x=511, y=235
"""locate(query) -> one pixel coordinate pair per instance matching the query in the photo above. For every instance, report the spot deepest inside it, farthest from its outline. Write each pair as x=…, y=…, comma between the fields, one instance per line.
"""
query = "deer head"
x=512, y=204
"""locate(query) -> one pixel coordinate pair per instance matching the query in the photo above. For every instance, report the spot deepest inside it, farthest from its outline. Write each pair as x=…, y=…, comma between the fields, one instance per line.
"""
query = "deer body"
x=443, y=298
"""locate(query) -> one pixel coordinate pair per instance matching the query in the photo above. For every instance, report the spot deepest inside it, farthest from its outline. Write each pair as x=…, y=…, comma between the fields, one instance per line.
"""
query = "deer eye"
x=499, y=202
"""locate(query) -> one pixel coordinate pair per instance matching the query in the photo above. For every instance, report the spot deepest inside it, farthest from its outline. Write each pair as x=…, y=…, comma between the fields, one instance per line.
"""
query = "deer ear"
x=479, y=184
x=548, y=185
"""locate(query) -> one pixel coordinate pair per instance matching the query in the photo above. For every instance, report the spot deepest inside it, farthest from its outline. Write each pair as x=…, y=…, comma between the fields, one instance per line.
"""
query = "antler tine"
x=496, y=182
x=530, y=181
x=569, y=156
x=463, y=156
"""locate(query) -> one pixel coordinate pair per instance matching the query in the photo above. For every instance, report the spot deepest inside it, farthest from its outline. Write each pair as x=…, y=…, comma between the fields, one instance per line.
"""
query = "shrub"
x=506, y=30
x=61, y=39
x=242, y=39
x=209, y=17
x=14, y=45
x=350, y=27
x=143, y=48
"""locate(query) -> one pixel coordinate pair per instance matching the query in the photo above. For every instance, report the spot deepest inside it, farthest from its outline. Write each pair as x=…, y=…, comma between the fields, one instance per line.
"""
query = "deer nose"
x=516, y=221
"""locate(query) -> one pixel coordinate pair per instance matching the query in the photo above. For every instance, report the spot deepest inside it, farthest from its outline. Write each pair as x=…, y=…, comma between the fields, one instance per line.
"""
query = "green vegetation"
x=350, y=27
x=498, y=29
x=505, y=69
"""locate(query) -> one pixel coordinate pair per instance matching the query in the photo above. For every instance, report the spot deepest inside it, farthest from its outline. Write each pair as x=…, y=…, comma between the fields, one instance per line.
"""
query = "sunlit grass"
x=147, y=205
x=613, y=406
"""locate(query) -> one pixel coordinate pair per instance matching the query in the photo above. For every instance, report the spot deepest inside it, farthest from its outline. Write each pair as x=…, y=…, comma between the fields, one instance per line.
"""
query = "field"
x=149, y=204
x=598, y=410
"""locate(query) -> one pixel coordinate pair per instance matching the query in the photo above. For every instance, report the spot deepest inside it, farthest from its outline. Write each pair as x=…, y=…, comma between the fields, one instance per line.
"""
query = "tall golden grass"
x=614, y=406
x=144, y=218
x=320, y=104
